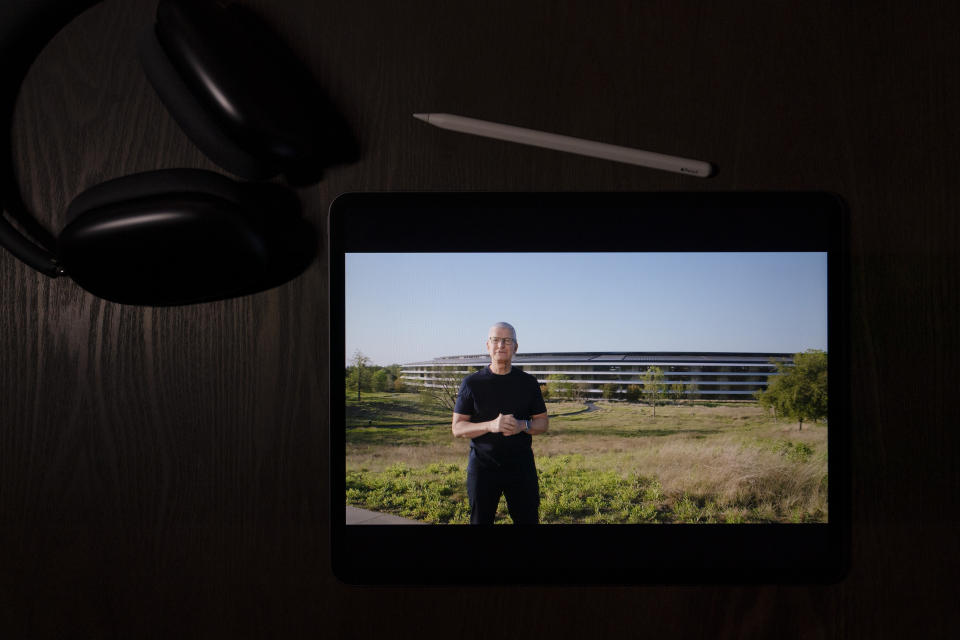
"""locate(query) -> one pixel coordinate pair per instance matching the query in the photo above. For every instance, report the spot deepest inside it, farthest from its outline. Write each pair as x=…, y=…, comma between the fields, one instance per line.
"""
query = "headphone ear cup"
x=194, y=119
x=161, y=182
x=181, y=236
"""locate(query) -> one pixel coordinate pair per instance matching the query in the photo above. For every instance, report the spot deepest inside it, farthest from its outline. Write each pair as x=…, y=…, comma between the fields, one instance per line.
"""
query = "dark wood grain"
x=163, y=471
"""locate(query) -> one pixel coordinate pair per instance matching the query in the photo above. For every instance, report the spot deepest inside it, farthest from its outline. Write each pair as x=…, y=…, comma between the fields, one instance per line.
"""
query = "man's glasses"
x=506, y=341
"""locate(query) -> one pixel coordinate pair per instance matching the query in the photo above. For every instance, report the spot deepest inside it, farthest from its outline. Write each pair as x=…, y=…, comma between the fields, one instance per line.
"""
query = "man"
x=499, y=408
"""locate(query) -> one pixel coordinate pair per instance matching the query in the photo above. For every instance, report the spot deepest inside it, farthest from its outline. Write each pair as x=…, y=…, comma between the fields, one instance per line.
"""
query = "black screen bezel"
x=594, y=554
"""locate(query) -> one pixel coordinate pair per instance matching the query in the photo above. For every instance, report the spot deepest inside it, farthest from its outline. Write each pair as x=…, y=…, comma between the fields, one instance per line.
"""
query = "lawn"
x=715, y=463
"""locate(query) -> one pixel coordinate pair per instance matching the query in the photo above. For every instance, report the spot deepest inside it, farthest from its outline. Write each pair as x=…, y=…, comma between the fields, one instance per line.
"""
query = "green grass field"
x=711, y=463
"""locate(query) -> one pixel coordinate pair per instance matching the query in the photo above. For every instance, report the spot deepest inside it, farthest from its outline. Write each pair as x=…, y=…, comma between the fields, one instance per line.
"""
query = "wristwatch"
x=526, y=425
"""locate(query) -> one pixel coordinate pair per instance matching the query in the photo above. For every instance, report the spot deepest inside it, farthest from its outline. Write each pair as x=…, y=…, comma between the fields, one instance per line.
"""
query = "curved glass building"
x=714, y=375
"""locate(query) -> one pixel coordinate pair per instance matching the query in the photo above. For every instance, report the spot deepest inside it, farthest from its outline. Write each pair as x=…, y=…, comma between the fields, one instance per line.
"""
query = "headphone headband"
x=26, y=26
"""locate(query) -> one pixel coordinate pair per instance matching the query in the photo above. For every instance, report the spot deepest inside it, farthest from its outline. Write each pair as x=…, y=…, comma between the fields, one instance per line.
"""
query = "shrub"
x=609, y=391
x=799, y=452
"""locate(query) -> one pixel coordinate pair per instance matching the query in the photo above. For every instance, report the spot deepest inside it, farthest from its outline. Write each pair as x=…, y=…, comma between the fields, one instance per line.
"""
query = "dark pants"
x=485, y=484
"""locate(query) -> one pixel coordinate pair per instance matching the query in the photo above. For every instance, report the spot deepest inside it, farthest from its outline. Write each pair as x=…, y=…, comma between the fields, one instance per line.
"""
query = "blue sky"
x=416, y=306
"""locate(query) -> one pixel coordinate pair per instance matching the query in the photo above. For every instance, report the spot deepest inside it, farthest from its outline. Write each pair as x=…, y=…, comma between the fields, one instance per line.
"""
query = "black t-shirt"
x=484, y=395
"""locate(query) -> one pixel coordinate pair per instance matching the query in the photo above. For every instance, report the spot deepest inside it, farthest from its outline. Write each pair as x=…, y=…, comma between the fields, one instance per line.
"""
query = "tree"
x=633, y=393
x=360, y=363
x=395, y=370
x=580, y=391
x=545, y=392
x=692, y=389
x=353, y=380
x=392, y=381
x=443, y=388
x=677, y=392
x=799, y=390
x=381, y=380
x=560, y=387
x=609, y=391
x=653, y=387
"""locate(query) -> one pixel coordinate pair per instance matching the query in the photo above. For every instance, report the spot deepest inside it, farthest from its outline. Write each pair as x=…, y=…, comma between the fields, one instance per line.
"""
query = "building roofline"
x=613, y=356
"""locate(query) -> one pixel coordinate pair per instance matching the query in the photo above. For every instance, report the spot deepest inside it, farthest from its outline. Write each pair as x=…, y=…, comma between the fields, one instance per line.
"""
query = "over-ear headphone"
x=181, y=236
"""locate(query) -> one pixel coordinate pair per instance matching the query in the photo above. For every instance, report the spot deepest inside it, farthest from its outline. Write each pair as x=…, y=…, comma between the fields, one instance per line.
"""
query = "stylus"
x=591, y=148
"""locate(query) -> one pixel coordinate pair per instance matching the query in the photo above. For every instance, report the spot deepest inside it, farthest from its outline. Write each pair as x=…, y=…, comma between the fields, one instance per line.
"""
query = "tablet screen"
x=676, y=358
x=655, y=370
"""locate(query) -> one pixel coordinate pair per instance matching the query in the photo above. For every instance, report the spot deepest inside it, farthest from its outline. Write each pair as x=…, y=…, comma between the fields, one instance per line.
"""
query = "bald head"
x=502, y=325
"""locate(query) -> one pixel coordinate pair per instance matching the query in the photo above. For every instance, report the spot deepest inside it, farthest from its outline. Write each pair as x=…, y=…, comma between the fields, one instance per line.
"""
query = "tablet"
x=681, y=359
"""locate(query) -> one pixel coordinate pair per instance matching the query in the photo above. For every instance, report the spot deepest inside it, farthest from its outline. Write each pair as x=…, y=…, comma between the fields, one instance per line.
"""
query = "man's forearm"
x=539, y=425
x=467, y=429
x=504, y=424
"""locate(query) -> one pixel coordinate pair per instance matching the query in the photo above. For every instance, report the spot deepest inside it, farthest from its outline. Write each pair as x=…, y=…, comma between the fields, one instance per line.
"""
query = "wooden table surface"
x=164, y=471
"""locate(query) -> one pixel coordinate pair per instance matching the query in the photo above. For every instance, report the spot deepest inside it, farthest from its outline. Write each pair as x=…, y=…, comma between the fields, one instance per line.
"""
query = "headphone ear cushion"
x=161, y=182
x=194, y=119
x=181, y=236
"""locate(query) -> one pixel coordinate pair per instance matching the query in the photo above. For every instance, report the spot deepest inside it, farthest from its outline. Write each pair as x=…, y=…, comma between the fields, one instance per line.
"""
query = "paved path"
x=590, y=407
x=363, y=516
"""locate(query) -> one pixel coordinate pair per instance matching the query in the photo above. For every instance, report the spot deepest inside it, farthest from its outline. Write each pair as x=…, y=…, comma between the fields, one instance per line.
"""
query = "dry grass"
x=733, y=456
x=379, y=458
